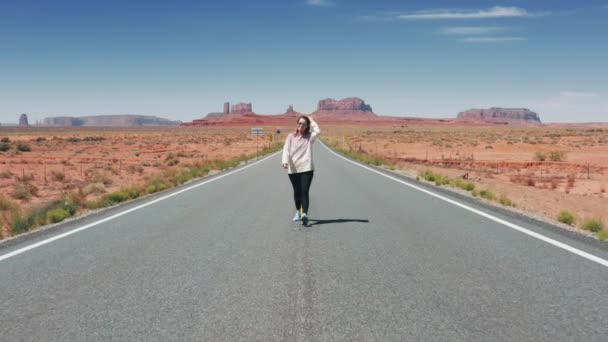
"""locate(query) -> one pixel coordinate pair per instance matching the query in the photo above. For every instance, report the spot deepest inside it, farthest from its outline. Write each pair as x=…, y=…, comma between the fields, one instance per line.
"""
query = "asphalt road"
x=381, y=261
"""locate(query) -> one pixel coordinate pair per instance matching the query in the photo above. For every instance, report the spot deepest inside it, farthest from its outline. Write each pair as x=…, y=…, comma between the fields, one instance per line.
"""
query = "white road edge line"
x=74, y=231
x=488, y=216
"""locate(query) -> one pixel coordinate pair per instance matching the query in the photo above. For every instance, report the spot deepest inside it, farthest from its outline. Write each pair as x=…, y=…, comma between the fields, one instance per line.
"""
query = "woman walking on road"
x=297, y=159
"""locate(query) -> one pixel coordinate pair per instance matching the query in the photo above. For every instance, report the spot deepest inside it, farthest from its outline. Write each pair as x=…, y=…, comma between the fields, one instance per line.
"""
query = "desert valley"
x=508, y=155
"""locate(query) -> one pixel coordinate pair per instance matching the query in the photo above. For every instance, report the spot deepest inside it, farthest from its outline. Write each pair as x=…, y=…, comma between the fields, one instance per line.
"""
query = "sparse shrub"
x=94, y=138
x=57, y=215
x=5, y=140
x=489, y=147
x=102, y=177
x=94, y=188
x=5, y=174
x=6, y=204
x=4, y=147
x=475, y=193
x=557, y=156
x=602, y=235
x=135, y=168
x=468, y=186
x=504, y=200
x=158, y=184
x=57, y=176
x=540, y=156
x=566, y=217
x=23, y=147
x=73, y=139
x=21, y=192
x=40, y=139
x=121, y=196
x=594, y=225
x=487, y=194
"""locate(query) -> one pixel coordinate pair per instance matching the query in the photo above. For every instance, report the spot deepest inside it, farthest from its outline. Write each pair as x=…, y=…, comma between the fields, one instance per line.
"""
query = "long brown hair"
x=307, y=130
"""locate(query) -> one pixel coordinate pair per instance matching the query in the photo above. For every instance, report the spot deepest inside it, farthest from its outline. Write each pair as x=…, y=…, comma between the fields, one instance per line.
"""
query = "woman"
x=297, y=159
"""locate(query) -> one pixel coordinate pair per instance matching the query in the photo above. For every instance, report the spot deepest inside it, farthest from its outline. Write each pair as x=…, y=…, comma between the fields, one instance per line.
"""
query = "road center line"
x=74, y=231
x=488, y=216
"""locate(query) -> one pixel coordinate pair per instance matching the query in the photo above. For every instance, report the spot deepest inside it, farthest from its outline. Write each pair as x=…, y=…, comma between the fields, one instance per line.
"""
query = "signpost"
x=257, y=132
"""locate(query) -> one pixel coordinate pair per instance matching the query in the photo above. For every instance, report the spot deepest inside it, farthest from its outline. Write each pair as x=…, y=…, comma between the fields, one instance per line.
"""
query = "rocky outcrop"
x=290, y=110
x=109, y=121
x=348, y=104
x=352, y=108
x=241, y=108
x=23, y=122
x=501, y=115
x=215, y=115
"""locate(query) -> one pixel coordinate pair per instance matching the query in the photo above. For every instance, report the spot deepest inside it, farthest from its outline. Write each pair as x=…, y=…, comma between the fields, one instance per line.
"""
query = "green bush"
x=566, y=217
x=594, y=225
x=57, y=215
x=468, y=186
x=23, y=147
x=487, y=194
x=603, y=235
x=5, y=140
x=4, y=147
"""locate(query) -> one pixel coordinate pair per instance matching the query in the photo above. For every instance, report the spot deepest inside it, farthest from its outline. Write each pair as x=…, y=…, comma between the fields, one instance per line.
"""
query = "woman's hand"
x=285, y=165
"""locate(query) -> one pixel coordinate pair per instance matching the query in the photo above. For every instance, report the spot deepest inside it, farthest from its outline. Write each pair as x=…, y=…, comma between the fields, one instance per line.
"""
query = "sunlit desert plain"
x=42, y=165
x=541, y=170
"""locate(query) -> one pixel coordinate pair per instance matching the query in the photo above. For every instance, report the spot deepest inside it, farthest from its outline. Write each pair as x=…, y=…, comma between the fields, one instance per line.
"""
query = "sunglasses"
x=302, y=124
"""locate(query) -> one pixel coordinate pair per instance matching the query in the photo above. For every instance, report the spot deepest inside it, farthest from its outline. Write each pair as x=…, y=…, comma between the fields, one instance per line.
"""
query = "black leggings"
x=301, y=184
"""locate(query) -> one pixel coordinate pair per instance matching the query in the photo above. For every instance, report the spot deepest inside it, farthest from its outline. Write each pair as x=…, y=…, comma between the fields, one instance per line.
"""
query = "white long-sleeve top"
x=297, y=151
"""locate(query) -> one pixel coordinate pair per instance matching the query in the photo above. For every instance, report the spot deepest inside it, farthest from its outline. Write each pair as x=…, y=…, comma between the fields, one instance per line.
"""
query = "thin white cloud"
x=494, y=39
x=494, y=12
x=319, y=3
x=471, y=30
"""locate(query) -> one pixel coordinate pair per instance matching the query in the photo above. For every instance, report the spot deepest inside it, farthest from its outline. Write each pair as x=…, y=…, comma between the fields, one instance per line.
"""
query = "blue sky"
x=182, y=59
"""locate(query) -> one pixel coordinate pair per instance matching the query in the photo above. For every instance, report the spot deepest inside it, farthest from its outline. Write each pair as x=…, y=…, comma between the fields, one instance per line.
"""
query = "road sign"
x=257, y=131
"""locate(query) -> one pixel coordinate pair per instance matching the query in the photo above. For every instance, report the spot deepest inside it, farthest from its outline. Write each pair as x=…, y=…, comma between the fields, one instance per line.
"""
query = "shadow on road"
x=313, y=222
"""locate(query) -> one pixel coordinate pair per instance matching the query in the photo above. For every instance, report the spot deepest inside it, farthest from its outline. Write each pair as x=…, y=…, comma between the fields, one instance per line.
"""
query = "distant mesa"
x=501, y=116
x=345, y=109
x=348, y=104
x=127, y=120
x=239, y=108
x=23, y=122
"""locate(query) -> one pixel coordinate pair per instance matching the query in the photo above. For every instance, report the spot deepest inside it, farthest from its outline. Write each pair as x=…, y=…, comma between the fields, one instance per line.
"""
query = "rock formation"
x=23, y=121
x=109, y=121
x=226, y=107
x=352, y=108
x=348, y=104
x=240, y=108
x=501, y=115
x=290, y=110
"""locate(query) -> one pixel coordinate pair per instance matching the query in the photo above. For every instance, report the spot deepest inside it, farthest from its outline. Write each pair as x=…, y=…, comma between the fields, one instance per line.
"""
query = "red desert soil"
x=510, y=160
